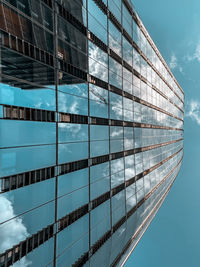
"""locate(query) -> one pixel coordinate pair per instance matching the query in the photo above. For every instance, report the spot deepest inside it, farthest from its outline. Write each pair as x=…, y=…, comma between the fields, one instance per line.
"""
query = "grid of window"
x=91, y=131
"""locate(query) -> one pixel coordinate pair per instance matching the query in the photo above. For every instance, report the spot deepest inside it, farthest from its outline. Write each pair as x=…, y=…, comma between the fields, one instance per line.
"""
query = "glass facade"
x=91, y=132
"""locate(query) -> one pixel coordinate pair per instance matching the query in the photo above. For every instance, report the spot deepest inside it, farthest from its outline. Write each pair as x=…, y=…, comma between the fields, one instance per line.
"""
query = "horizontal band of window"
x=82, y=260
x=144, y=79
x=167, y=176
x=163, y=95
x=104, y=197
x=99, y=121
x=101, y=5
x=73, y=118
x=46, y=58
x=120, y=123
x=128, y=37
x=30, y=114
x=114, y=20
x=136, y=47
x=92, y=37
x=73, y=166
x=147, y=104
x=135, y=17
x=161, y=162
x=119, y=224
x=108, y=234
x=116, y=261
x=159, y=74
x=158, y=54
x=24, y=84
x=145, y=125
x=100, y=242
x=70, y=18
x=127, y=66
x=116, y=155
x=27, y=49
x=44, y=55
x=130, y=181
x=126, y=3
x=104, y=47
x=136, y=73
x=128, y=95
x=11, y=256
x=99, y=160
x=27, y=178
x=118, y=189
x=156, y=89
x=22, y=12
x=116, y=90
x=67, y=220
x=115, y=56
x=23, y=248
x=23, y=113
x=131, y=212
x=72, y=70
x=144, y=222
x=96, y=81
x=120, y=92
x=14, y=254
x=13, y=182
x=99, y=200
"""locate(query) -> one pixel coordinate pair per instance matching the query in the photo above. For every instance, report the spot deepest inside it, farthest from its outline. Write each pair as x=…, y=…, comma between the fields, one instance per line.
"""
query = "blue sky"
x=173, y=239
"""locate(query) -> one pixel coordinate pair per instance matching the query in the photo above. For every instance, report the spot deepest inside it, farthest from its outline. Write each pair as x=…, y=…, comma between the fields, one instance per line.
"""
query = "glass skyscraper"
x=91, y=132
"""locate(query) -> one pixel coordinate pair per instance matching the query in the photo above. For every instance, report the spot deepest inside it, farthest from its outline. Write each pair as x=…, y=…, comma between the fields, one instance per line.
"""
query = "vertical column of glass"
x=109, y=117
x=28, y=142
x=73, y=187
x=110, y=146
x=116, y=112
x=138, y=113
x=126, y=103
x=140, y=183
x=99, y=145
x=146, y=165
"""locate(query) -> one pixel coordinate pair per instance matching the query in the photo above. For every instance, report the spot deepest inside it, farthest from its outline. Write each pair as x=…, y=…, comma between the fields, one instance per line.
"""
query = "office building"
x=91, y=132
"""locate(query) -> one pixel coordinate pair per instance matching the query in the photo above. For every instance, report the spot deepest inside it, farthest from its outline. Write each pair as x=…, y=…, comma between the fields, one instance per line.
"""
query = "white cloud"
x=173, y=62
x=181, y=69
x=197, y=52
x=116, y=132
x=195, y=55
x=12, y=232
x=194, y=111
x=98, y=63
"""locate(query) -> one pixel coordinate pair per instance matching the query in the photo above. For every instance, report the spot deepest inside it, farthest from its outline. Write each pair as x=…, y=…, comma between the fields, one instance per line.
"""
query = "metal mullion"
x=125, y=208
x=133, y=119
x=56, y=71
x=89, y=159
x=0, y=58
